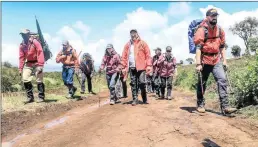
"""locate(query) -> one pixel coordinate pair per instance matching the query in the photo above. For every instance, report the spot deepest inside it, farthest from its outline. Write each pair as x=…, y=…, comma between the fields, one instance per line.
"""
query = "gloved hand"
x=39, y=70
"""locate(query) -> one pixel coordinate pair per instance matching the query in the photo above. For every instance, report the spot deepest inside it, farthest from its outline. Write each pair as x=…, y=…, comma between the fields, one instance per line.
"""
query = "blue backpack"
x=195, y=24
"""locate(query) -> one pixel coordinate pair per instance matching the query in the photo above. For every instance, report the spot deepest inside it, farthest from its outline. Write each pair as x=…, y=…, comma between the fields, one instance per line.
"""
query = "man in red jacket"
x=31, y=60
x=210, y=58
x=137, y=56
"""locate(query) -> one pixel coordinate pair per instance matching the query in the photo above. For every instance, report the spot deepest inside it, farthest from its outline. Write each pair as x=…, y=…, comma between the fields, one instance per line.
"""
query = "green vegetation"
x=14, y=93
x=243, y=78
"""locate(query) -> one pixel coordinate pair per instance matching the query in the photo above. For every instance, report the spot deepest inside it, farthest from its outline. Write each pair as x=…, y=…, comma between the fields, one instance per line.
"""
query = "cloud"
x=152, y=26
x=10, y=53
x=179, y=9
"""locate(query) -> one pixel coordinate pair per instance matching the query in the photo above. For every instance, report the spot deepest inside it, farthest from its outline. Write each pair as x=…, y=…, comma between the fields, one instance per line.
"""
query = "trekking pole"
x=200, y=76
x=229, y=83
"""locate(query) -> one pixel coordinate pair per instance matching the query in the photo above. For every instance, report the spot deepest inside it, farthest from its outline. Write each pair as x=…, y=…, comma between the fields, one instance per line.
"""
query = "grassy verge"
x=55, y=93
x=242, y=76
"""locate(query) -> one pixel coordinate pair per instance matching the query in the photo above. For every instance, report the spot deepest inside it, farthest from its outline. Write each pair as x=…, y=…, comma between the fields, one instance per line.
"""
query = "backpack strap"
x=206, y=34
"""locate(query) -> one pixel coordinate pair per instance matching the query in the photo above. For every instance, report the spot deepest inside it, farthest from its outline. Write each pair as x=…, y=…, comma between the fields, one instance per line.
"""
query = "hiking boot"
x=145, y=102
x=29, y=101
x=162, y=97
x=41, y=95
x=112, y=102
x=134, y=103
x=157, y=96
x=29, y=91
x=82, y=92
x=40, y=100
x=69, y=96
x=74, y=90
x=229, y=110
x=169, y=98
x=91, y=92
x=201, y=109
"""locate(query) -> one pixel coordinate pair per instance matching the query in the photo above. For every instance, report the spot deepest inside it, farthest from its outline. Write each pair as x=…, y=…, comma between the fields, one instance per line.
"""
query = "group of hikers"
x=147, y=74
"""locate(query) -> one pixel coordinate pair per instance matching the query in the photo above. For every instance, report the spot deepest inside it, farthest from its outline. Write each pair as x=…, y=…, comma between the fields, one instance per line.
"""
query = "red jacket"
x=154, y=63
x=110, y=62
x=167, y=67
x=31, y=53
x=71, y=58
x=211, y=45
x=141, y=53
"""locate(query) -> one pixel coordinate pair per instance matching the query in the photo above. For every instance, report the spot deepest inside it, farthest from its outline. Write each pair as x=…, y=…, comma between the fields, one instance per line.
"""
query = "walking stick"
x=229, y=83
x=200, y=76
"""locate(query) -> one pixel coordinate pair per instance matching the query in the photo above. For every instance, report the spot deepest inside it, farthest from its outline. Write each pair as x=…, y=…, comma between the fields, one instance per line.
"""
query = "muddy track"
x=18, y=122
x=162, y=123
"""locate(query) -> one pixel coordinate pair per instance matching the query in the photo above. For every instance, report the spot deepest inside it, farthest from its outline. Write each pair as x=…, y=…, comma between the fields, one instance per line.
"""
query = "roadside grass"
x=55, y=94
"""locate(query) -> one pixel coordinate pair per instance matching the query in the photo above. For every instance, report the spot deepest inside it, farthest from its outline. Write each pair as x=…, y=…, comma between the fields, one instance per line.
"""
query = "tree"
x=7, y=64
x=236, y=50
x=181, y=62
x=253, y=44
x=226, y=46
x=245, y=29
x=190, y=60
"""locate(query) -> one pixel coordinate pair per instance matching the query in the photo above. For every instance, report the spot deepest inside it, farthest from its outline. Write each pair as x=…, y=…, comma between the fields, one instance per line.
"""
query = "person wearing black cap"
x=210, y=58
x=168, y=69
x=136, y=56
x=156, y=76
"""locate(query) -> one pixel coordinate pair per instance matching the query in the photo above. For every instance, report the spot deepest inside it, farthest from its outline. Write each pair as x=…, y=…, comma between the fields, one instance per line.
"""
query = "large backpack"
x=45, y=48
x=194, y=25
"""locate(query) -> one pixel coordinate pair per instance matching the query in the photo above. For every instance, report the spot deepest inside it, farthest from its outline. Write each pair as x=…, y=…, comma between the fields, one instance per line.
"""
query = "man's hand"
x=100, y=70
x=20, y=73
x=39, y=69
x=225, y=65
x=198, y=67
x=62, y=56
x=148, y=69
x=76, y=70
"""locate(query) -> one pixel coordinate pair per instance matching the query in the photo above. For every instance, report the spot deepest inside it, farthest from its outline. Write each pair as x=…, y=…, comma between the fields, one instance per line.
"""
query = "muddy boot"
x=135, y=101
x=73, y=90
x=112, y=102
x=169, y=94
x=201, y=109
x=82, y=92
x=41, y=89
x=29, y=87
x=228, y=110
x=144, y=96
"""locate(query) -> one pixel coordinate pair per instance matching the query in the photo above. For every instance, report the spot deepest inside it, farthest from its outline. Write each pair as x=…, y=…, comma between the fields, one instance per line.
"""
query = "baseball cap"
x=109, y=46
x=133, y=30
x=169, y=48
x=212, y=12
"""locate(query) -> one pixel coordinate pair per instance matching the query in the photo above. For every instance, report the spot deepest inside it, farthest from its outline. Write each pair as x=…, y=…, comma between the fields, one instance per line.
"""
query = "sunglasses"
x=169, y=51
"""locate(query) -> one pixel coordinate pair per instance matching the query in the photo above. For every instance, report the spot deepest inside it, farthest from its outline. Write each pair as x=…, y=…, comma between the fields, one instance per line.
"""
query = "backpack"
x=44, y=45
x=193, y=27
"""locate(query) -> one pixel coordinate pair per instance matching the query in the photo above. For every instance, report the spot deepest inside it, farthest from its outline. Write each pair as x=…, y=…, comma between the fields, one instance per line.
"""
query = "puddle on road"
x=51, y=124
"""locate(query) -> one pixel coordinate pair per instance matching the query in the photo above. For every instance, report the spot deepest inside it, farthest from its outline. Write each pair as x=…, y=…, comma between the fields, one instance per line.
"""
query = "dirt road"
x=162, y=123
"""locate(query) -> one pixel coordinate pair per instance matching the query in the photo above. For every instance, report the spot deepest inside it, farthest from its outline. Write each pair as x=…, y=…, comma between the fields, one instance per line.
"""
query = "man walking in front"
x=210, y=58
x=136, y=55
x=31, y=60
x=69, y=58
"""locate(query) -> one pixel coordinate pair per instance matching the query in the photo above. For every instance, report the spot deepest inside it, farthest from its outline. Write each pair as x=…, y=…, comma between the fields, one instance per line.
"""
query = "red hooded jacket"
x=31, y=54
